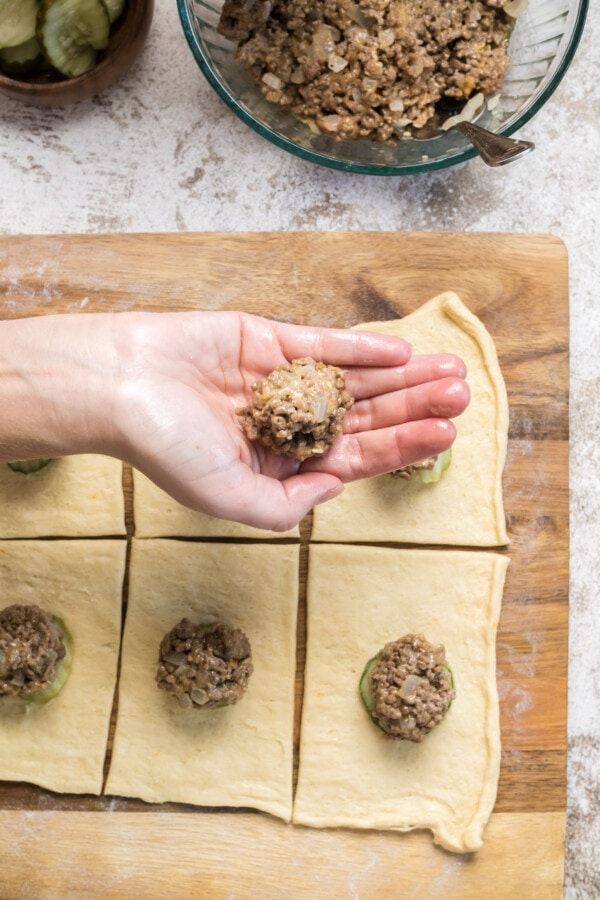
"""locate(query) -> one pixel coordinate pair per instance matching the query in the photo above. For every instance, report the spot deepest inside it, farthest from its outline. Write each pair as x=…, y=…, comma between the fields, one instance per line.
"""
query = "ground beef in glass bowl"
x=540, y=49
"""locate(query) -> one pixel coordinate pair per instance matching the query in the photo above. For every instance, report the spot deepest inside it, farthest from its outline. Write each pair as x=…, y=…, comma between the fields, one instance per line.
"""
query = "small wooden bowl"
x=127, y=38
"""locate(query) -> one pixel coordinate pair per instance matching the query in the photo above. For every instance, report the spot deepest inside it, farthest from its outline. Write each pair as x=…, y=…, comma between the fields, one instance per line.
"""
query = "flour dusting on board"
x=18, y=289
x=516, y=700
x=521, y=661
x=356, y=878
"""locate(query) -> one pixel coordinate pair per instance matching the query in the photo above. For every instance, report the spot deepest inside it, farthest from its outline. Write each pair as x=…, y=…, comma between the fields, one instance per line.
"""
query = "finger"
x=363, y=383
x=342, y=347
x=370, y=453
x=447, y=398
x=264, y=502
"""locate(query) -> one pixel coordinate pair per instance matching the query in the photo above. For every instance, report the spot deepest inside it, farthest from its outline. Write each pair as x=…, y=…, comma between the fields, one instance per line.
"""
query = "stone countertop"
x=160, y=152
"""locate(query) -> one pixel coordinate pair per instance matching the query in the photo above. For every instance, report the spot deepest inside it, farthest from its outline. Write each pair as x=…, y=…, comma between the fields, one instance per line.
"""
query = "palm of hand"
x=199, y=382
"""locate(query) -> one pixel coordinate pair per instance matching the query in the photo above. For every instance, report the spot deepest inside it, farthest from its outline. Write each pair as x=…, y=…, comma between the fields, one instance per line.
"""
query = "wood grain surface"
x=518, y=285
x=245, y=857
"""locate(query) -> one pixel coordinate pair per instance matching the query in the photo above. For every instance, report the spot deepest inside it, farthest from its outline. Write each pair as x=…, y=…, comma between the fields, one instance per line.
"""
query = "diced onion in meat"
x=336, y=63
x=470, y=110
x=330, y=123
x=312, y=126
x=515, y=8
x=409, y=687
x=397, y=105
x=324, y=41
x=358, y=35
x=320, y=408
x=355, y=13
x=176, y=659
x=272, y=81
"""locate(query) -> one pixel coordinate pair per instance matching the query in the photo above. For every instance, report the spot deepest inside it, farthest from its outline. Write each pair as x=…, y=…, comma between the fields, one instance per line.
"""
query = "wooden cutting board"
x=52, y=846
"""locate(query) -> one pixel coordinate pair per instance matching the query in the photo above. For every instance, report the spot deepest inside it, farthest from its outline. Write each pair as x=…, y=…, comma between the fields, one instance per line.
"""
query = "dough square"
x=352, y=774
x=61, y=745
x=156, y=514
x=241, y=755
x=465, y=507
x=74, y=496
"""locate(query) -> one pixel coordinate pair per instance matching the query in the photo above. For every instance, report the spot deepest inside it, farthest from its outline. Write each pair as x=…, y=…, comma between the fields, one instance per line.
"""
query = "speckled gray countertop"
x=160, y=152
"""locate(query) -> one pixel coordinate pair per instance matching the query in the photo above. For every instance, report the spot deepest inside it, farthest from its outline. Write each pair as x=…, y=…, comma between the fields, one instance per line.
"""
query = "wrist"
x=57, y=376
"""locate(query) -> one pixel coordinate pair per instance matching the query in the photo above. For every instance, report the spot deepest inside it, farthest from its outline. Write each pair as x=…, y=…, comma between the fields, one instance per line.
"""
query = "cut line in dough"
x=156, y=514
x=351, y=773
x=61, y=745
x=238, y=756
x=74, y=496
x=465, y=507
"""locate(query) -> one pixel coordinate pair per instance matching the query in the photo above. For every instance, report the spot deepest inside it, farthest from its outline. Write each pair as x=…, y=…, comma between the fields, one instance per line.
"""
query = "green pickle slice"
x=114, y=8
x=27, y=466
x=365, y=687
x=430, y=476
x=452, y=684
x=71, y=31
x=62, y=672
x=17, y=21
x=21, y=59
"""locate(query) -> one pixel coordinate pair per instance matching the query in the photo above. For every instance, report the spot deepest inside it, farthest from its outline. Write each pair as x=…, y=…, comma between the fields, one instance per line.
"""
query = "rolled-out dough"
x=75, y=496
x=465, y=507
x=156, y=514
x=351, y=773
x=239, y=755
x=61, y=745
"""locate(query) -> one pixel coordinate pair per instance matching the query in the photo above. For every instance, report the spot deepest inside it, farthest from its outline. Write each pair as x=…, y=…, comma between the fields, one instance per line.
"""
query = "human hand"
x=183, y=376
x=161, y=391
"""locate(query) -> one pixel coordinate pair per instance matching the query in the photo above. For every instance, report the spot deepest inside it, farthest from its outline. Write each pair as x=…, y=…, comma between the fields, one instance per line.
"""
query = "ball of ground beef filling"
x=298, y=410
x=204, y=665
x=411, y=686
x=31, y=647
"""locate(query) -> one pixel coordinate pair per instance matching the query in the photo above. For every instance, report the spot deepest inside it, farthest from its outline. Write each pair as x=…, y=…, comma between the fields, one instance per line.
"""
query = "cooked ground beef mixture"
x=411, y=687
x=31, y=646
x=298, y=410
x=370, y=68
x=407, y=472
x=204, y=665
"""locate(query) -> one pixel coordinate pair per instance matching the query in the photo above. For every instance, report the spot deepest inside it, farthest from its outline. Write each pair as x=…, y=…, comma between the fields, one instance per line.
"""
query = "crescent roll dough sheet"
x=239, y=755
x=351, y=773
x=75, y=496
x=465, y=506
x=61, y=744
x=158, y=515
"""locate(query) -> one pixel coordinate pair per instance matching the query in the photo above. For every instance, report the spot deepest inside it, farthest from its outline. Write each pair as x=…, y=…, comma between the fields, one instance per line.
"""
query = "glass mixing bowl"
x=541, y=48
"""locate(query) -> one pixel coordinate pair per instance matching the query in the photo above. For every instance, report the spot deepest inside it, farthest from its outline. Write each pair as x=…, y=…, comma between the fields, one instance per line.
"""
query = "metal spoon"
x=494, y=149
